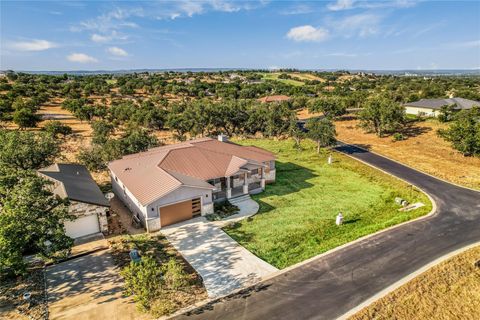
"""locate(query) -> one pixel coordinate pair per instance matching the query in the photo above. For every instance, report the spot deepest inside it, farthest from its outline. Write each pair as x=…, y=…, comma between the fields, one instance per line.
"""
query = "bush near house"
x=163, y=281
x=222, y=210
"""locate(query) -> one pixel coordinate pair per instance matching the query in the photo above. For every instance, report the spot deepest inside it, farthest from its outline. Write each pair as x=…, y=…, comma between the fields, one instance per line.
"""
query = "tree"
x=446, y=113
x=331, y=107
x=464, y=132
x=321, y=131
x=27, y=150
x=25, y=118
x=31, y=220
x=102, y=131
x=381, y=115
x=296, y=132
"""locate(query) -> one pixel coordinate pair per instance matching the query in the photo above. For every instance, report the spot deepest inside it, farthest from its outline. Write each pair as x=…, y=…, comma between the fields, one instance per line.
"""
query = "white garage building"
x=87, y=202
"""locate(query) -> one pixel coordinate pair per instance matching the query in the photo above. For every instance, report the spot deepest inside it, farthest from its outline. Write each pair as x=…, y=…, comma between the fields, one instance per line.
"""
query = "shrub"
x=25, y=118
x=143, y=280
x=163, y=306
x=398, y=137
x=56, y=128
x=174, y=276
x=222, y=210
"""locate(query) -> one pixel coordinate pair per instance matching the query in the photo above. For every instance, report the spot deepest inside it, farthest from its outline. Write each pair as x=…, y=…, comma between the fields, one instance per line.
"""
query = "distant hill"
x=439, y=72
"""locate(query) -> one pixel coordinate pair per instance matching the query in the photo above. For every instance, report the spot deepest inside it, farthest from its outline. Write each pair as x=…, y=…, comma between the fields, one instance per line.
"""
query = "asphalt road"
x=329, y=286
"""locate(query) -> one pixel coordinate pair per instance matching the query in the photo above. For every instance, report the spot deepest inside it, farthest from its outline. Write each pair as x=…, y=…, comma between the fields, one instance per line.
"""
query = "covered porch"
x=250, y=177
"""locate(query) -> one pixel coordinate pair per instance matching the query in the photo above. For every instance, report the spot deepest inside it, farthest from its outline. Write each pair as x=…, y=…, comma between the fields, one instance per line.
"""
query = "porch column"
x=245, y=183
x=229, y=189
x=262, y=180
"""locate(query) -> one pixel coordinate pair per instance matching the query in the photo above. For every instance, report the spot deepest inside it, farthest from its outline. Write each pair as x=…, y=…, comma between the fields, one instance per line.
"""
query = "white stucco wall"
x=149, y=214
x=427, y=111
x=128, y=198
x=181, y=194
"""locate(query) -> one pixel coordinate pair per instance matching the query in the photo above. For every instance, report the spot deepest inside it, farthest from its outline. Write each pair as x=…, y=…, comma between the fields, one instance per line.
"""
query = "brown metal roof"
x=152, y=174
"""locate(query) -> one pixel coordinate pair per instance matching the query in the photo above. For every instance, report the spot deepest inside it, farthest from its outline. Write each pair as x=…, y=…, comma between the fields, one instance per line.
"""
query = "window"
x=255, y=171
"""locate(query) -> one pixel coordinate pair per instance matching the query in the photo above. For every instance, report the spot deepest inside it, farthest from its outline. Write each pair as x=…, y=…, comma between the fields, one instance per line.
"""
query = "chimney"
x=222, y=138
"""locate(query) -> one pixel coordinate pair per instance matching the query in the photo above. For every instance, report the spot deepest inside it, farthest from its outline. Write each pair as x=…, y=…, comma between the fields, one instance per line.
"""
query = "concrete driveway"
x=223, y=264
x=88, y=287
x=330, y=285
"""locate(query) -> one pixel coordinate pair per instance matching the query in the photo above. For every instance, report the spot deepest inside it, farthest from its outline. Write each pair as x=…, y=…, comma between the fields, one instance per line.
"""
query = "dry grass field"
x=450, y=290
x=423, y=150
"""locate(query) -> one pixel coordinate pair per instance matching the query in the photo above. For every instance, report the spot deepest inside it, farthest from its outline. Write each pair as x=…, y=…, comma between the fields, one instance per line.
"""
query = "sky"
x=341, y=34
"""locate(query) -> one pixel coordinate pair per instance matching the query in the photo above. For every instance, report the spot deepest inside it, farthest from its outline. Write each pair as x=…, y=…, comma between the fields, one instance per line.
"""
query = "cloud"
x=307, y=33
x=342, y=54
x=32, y=45
x=112, y=20
x=116, y=51
x=363, y=24
x=340, y=5
x=298, y=9
x=102, y=38
x=466, y=44
x=81, y=58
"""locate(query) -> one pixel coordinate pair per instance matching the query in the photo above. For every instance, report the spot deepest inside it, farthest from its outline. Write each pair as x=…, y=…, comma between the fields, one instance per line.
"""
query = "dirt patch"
x=423, y=150
x=450, y=290
x=12, y=304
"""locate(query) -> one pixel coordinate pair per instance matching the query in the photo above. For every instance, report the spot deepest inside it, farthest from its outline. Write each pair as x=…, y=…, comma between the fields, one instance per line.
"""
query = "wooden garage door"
x=175, y=213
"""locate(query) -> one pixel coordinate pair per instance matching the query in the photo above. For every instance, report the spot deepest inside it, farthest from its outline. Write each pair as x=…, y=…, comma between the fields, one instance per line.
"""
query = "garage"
x=82, y=226
x=175, y=213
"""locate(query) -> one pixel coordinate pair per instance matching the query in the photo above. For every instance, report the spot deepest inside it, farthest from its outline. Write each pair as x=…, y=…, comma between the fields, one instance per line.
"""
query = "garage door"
x=175, y=213
x=82, y=226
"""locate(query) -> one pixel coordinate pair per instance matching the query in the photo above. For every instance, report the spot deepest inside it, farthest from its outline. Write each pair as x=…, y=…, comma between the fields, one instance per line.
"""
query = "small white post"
x=330, y=159
x=339, y=219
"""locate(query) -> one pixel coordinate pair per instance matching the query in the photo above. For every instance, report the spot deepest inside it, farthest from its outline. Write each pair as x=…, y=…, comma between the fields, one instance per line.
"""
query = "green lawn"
x=297, y=214
x=274, y=76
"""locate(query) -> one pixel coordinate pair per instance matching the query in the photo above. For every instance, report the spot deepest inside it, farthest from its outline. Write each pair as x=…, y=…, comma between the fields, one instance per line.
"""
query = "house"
x=87, y=202
x=169, y=184
x=432, y=107
x=277, y=98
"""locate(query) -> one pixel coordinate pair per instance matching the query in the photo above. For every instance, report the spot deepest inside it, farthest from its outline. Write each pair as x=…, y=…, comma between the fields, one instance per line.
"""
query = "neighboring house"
x=278, y=98
x=432, y=107
x=87, y=202
x=168, y=184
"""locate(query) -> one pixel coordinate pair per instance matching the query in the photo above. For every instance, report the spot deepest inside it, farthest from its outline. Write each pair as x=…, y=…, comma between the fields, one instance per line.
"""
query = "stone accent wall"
x=207, y=208
x=82, y=209
x=152, y=224
x=270, y=176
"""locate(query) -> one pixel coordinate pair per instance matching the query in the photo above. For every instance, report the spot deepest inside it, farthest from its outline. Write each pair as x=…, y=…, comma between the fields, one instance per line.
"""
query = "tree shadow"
x=353, y=149
x=410, y=130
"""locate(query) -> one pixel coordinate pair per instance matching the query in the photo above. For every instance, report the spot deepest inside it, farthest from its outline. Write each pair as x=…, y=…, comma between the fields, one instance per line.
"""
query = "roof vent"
x=222, y=138
x=127, y=169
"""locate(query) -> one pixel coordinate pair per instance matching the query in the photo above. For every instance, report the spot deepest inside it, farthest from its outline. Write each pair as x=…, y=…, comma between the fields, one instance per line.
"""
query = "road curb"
x=366, y=237
x=405, y=280
x=406, y=165
x=207, y=302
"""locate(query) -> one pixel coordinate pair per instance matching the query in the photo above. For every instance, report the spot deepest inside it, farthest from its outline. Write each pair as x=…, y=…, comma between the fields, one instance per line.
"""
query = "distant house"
x=432, y=107
x=87, y=202
x=277, y=98
x=177, y=182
